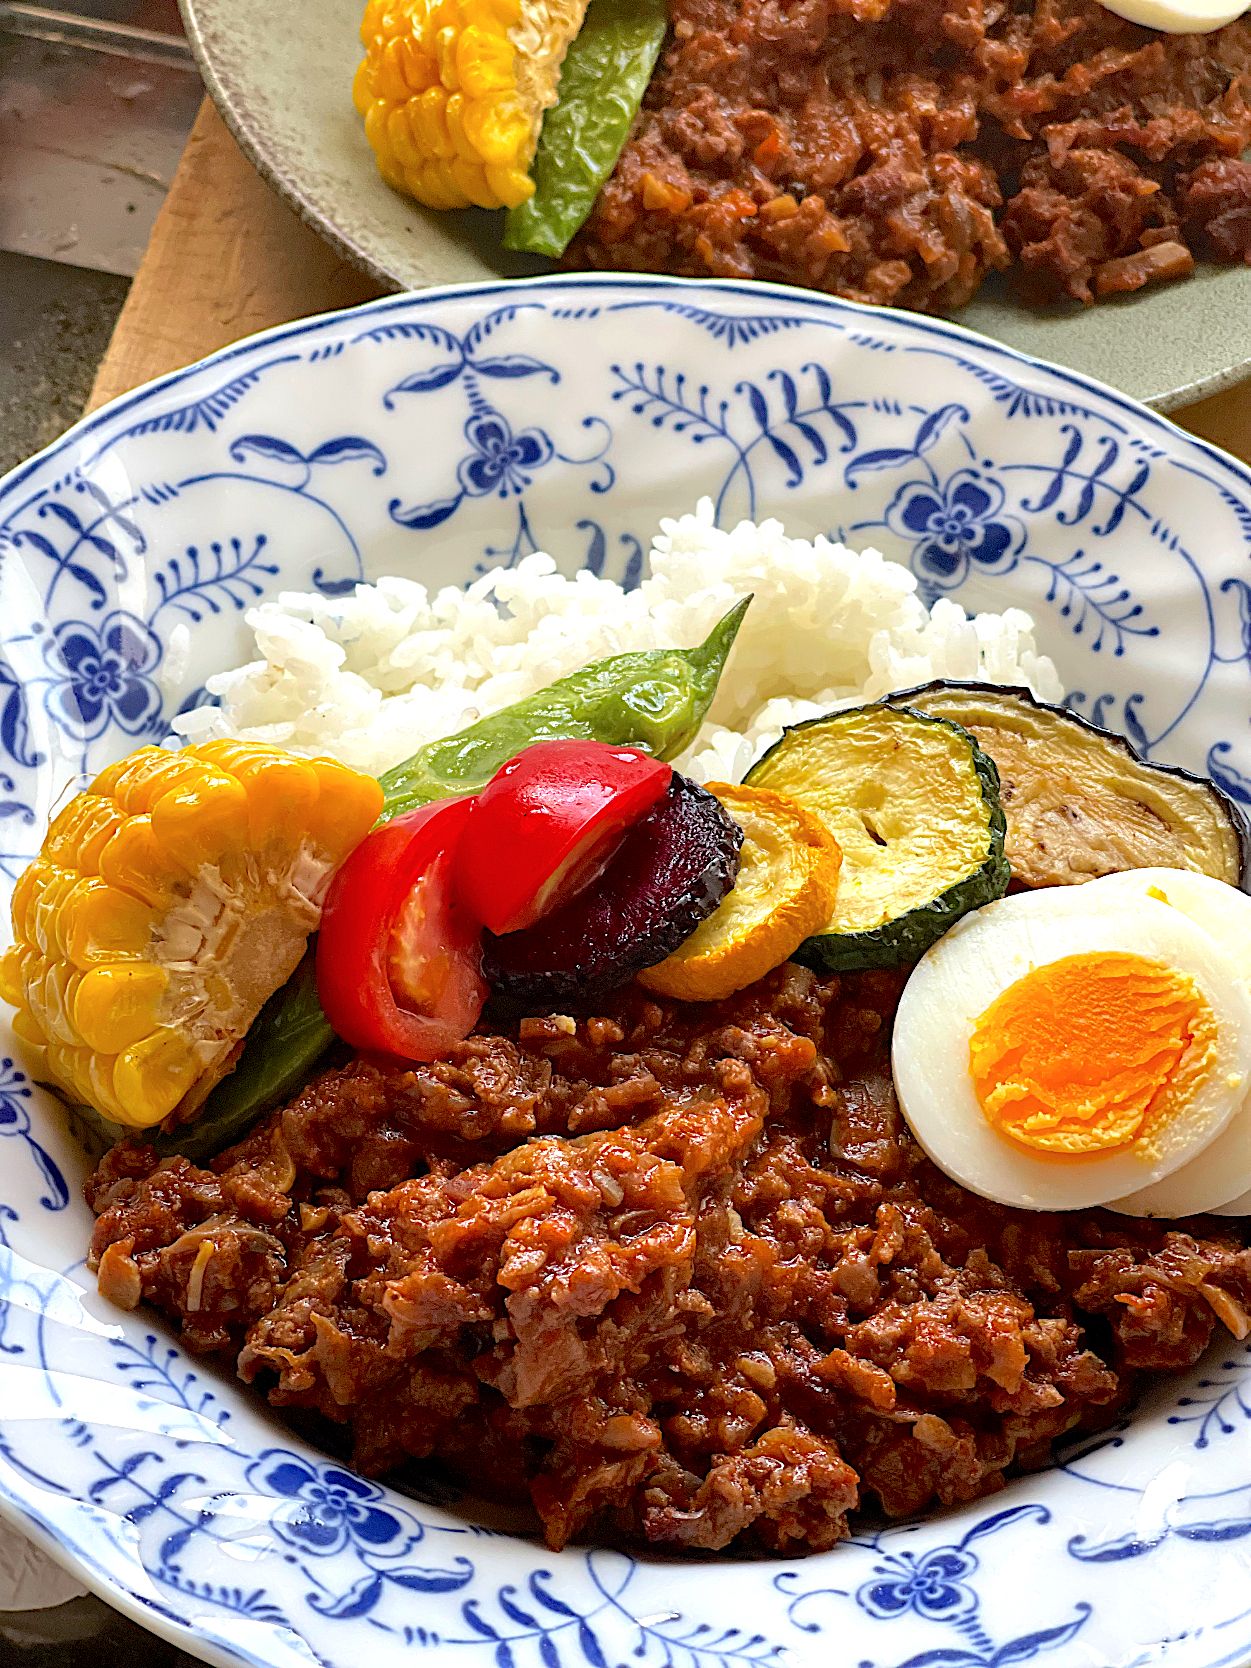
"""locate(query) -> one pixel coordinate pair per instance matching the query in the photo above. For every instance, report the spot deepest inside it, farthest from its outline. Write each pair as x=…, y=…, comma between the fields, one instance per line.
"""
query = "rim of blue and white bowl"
x=506, y=288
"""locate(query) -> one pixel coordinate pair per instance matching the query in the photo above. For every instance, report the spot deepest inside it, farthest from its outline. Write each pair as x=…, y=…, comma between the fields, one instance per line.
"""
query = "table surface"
x=227, y=258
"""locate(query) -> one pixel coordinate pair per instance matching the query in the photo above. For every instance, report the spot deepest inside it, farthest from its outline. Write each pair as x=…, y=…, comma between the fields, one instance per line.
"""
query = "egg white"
x=1179, y=17
x=1219, y=1178
x=989, y=950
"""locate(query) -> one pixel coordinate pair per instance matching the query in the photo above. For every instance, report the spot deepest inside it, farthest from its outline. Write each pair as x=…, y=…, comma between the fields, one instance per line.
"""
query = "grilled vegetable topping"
x=1080, y=802
x=546, y=825
x=914, y=804
x=602, y=82
x=655, y=701
x=670, y=873
x=398, y=956
x=785, y=891
x=168, y=903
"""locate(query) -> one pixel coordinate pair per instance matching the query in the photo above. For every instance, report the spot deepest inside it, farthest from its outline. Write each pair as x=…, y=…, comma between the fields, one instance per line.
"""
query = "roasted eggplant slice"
x=914, y=804
x=1080, y=802
x=670, y=872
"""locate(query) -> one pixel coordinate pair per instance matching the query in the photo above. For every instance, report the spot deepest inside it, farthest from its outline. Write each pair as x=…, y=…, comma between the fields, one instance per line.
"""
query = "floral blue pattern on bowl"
x=435, y=435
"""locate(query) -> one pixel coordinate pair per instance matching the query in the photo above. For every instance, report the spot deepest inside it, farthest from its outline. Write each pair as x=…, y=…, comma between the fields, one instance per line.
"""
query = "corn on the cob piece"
x=169, y=901
x=453, y=93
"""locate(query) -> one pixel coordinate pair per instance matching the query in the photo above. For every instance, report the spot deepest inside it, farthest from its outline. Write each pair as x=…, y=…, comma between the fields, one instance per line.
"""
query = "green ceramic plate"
x=281, y=75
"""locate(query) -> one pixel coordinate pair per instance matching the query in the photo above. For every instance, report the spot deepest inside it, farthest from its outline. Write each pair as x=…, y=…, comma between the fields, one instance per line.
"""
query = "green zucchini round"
x=914, y=803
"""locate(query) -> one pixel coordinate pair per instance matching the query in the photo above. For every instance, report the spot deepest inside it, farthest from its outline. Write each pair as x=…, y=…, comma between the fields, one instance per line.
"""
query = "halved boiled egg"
x=1219, y=1178
x=1179, y=17
x=1062, y=1048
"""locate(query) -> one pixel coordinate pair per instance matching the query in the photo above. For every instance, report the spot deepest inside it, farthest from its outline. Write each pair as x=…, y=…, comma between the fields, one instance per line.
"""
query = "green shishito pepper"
x=602, y=82
x=655, y=700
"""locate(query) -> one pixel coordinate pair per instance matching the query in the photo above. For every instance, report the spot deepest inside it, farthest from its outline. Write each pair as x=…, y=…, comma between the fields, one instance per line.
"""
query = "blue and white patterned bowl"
x=430, y=435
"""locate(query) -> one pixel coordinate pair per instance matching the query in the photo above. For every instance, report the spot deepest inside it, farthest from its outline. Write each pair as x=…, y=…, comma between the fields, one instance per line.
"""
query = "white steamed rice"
x=372, y=677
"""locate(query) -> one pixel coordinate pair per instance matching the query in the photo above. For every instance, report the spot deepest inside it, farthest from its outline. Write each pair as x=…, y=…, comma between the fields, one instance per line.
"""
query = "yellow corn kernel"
x=392, y=172
x=49, y=996
x=80, y=832
x=282, y=794
x=497, y=129
x=26, y=968
x=97, y=835
x=363, y=88
x=136, y=861
x=48, y=904
x=484, y=61
x=97, y=1073
x=119, y=1004
x=427, y=115
x=25, y=893
x=389, y=82
x=98, y=923
x=202, y=817
x=152, y=1076
x=472, y=181
x=138, y=781
x=11, y=987
x=463, y=150
x=106, y=781
x=281, y=789
x=376, y=129
x=400, y=136
x=434, y=186
x=418, y=67
x=510, y=185
x=348, y=805
x=445, y=53
x=28, y=1028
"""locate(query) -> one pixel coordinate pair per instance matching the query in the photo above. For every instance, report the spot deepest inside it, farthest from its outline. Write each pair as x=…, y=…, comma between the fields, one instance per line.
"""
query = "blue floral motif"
x=935, y=1588
x=931, y=1585
x=15, y=722
x=15, y=1098
x=500, y=458
x=105, y=676
x=953, y=524
x=501, y=461
x=326, y=1509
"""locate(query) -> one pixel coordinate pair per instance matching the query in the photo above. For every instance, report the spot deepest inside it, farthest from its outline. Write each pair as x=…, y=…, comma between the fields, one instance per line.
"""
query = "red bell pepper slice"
x=398, y=955
x=546, y=825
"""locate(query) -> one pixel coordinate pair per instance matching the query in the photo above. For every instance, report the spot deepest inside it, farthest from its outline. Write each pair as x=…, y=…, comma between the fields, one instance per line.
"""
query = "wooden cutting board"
x=228, y=258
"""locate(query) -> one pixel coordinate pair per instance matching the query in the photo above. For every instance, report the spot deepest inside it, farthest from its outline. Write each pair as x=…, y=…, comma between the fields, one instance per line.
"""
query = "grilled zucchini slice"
x=786, y=887
x=1079, y=800
x=914, y=804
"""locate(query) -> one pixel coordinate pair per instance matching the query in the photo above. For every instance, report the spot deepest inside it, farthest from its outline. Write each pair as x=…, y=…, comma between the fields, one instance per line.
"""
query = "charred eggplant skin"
x=958, y=700
x=671, y=871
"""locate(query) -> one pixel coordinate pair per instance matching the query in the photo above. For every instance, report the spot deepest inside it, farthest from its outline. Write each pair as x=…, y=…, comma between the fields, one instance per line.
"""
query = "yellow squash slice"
x=787, y=881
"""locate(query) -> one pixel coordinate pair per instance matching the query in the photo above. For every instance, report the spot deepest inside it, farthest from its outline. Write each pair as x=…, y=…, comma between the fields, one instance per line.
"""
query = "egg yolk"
x=1091, y=1052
